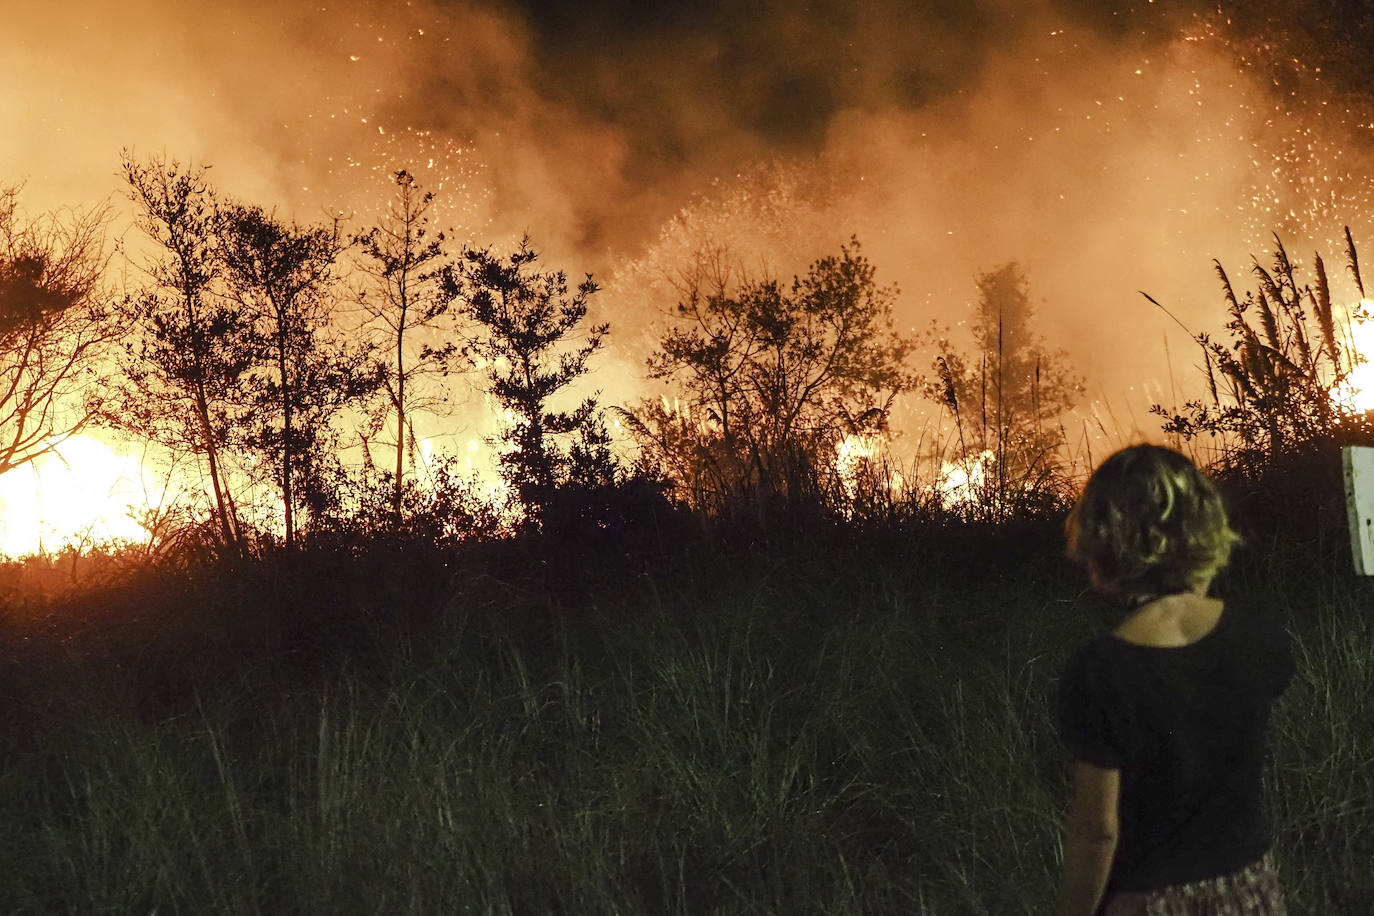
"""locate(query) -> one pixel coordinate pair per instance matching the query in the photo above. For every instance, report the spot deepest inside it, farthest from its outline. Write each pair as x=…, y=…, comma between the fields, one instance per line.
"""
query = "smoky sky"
x=1107, y=147
x=586, y=104
x=777, y=70
x=781, y=70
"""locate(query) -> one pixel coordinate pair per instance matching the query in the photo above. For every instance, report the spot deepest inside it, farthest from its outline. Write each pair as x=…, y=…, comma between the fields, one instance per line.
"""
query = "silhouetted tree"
x=1007, y=394
x=53, y=327
x=772, y=378
x=525, y=319
x=191, y=347
x=404, y=300
x=283, y=275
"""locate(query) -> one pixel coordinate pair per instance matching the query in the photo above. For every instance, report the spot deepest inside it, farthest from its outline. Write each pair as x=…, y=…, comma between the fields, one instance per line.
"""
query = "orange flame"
x=82, y=492
x=961, y=483
x=1358, y=388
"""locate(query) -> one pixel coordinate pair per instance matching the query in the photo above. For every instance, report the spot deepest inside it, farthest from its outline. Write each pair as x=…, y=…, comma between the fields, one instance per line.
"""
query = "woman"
x=1165, y=717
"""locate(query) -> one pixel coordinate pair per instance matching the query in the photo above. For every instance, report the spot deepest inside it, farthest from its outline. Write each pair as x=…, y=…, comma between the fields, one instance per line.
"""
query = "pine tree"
x=1007, y=393
x=525, y=320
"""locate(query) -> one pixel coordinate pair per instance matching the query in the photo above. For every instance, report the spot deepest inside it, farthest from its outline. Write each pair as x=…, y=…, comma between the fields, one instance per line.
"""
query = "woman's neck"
x=1138, y=601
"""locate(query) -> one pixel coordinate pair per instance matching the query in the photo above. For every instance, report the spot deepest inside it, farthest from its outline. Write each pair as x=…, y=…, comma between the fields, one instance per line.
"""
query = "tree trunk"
x=286, y=442
x=223, y=507
x=227, y=526
x=400, y=420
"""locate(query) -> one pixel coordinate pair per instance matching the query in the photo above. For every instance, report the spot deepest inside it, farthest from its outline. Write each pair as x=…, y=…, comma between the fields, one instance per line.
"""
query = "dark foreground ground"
x=826, y=723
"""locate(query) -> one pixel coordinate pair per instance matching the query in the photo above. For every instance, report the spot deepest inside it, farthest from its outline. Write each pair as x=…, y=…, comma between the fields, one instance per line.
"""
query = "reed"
x=1275, y=387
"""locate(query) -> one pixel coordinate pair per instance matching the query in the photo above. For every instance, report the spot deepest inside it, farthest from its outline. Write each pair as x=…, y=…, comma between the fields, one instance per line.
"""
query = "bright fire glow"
x=961, y=482
x=856, y=455
x=850, y=456
x=82, y=492
x=1358, y=389
x=85, y=493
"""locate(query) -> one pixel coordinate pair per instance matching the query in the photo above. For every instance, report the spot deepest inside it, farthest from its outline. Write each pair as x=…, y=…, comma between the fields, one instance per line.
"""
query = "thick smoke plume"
x=1108, y=148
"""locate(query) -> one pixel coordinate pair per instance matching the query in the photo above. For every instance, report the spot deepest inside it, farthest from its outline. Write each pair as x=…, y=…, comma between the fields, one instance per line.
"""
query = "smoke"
x=1108, y=148
x=1105, y=167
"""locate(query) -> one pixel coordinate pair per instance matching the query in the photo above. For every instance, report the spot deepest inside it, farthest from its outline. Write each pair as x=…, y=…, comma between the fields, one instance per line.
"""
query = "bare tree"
x=405, y=300
x=54, y=326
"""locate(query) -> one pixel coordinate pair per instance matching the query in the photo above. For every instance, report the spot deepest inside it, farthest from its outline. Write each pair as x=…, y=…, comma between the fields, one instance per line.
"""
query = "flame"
x=481, y=456
x=853, y=455
x=81, y=492
x=850, y=455
x=482, y=469
x=961, y=483
x=1358, y=388
x=86, y=492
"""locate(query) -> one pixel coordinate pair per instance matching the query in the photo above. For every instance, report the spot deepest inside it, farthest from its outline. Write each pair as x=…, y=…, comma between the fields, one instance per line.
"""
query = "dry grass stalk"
x=1231, y=304
x=1354, y=261
x=1322, y=306
x=1267, y=320
x=1281, y=371
x=1269, y=289
x=1211, y=377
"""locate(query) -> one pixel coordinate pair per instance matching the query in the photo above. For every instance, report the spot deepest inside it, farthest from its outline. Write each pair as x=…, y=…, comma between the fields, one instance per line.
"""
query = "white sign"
x=1359, y=505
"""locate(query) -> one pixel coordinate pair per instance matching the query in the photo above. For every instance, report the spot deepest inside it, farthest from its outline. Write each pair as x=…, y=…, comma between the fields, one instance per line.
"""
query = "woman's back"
x=1178, y=699
x=1166, y=717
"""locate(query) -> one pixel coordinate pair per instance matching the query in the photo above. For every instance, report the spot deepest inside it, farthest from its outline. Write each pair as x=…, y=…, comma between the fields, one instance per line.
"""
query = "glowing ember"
x=84, y=492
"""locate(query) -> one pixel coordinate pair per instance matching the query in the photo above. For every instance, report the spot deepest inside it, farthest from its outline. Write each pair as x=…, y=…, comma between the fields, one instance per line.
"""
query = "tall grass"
x=809, y=729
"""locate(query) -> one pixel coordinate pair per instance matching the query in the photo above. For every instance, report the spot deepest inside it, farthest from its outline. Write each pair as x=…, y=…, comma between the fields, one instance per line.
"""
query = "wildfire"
x=81, y=492
x=1358, y=388
x=962, y=483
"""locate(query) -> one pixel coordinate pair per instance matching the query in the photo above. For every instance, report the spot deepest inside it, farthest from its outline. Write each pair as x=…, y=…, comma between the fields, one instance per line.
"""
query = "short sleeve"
x=1089, y=724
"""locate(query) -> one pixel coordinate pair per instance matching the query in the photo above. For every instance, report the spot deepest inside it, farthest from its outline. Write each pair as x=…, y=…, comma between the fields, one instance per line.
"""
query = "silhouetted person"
x=1165, y=718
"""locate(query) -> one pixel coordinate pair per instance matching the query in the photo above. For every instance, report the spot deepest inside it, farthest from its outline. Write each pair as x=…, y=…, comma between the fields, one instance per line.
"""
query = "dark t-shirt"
x=1186, y=727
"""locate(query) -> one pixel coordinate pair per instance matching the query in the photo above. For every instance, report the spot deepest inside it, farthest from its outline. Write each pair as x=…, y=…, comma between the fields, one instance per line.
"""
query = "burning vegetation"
x=265, y=368
x=1291, y=379
x=373, y=556
x=273, y=374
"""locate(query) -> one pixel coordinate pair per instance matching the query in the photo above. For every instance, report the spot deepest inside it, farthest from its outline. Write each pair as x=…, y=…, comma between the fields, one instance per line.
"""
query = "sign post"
x=1358, y=462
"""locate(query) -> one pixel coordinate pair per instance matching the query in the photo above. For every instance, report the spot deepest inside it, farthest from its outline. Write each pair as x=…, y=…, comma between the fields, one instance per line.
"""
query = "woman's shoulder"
x=1172, y=622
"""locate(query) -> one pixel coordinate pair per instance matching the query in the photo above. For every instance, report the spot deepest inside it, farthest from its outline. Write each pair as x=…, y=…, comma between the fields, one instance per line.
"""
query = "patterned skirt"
x=1252, y=891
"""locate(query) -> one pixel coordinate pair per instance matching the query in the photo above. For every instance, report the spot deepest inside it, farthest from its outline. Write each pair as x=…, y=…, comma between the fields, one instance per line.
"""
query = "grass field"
x=852, y=725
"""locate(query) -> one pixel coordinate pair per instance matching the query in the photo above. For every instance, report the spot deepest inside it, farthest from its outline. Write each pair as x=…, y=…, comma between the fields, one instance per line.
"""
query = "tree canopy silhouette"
x=403, y=301
x=186, y=363
x=771, y=377
x=283, y=276
x=54, y=325
x=1008, y=392
x=525, y=319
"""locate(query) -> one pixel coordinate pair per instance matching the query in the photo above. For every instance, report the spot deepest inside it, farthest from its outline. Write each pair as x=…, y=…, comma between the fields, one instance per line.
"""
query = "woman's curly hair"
x=1150, y=523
